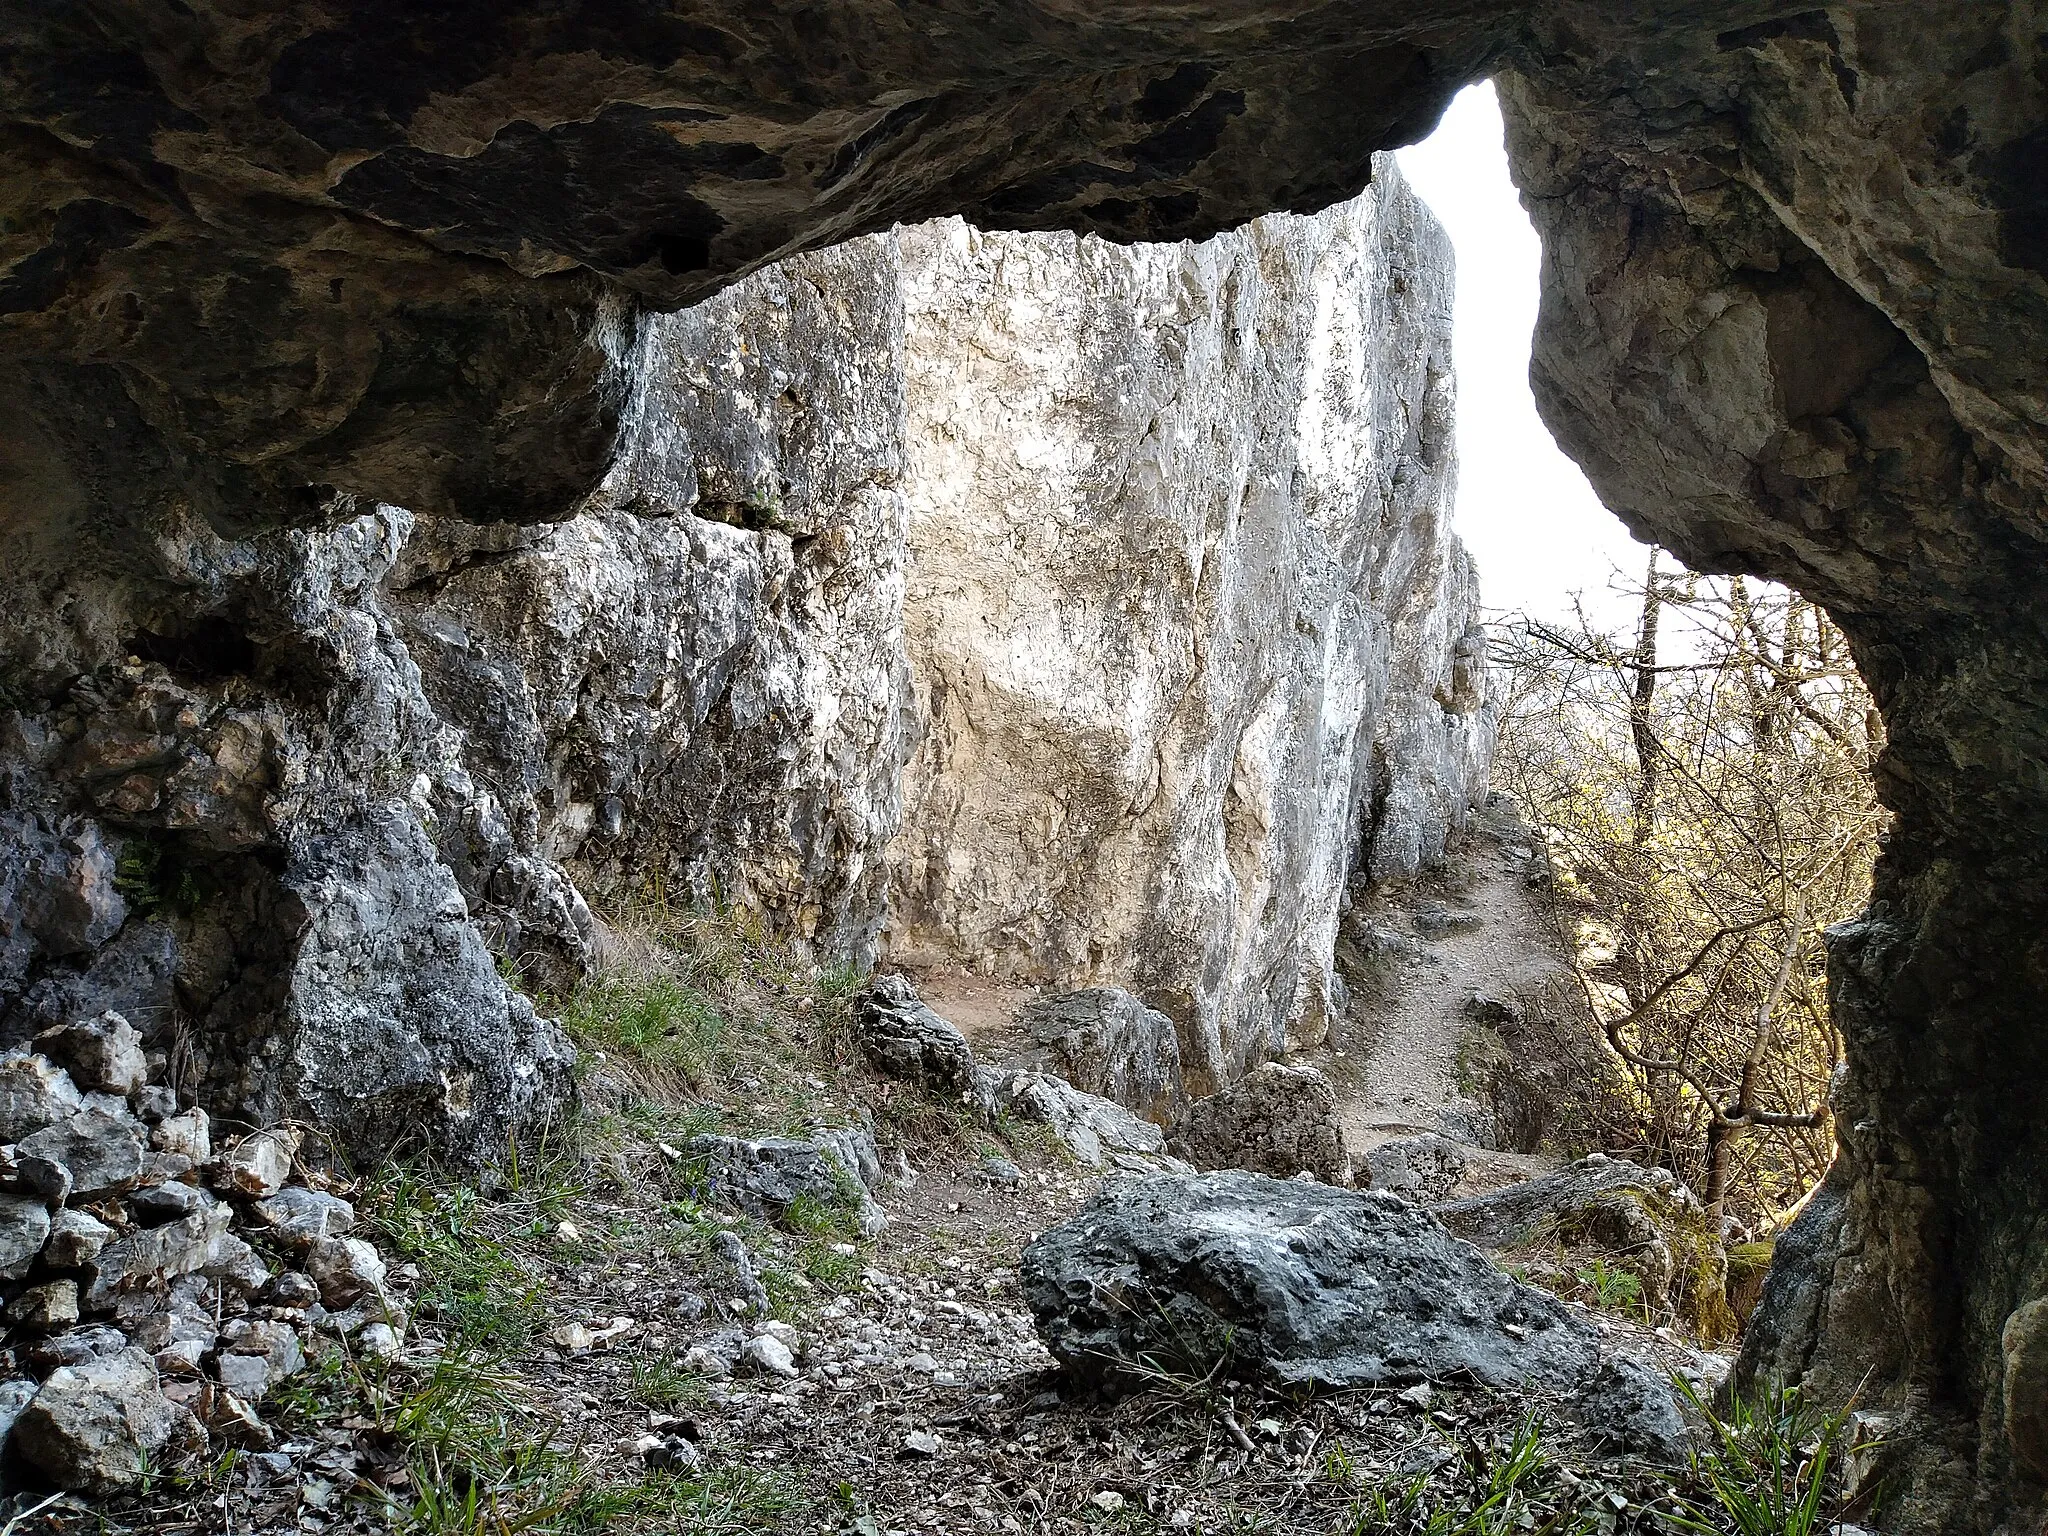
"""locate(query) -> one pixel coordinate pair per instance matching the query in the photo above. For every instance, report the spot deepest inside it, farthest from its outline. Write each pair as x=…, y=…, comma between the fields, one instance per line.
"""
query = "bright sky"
x=1531, y=520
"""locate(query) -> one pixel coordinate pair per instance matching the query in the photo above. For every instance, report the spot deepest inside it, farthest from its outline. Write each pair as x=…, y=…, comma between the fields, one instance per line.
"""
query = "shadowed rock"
x=1297, y=1284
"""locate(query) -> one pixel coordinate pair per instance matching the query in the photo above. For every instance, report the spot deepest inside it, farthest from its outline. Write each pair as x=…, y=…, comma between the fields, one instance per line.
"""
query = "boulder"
x=101, y=1151
x=34, y=1093
x=1648, y=1221
x=24, y=1227
x=1297, y=1284
x=903, y=1038
x=1276, y=1119
x=1105, y=1041
x=1419, y=1168
x=764, y=1176
x=103, y=1053
x=1097, y=1131
x=95, y=1425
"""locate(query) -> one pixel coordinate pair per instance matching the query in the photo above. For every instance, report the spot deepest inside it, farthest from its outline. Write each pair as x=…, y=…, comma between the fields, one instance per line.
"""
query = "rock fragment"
x=346, y=1269
x=770, y=1356
x=76, y=1238
x=101, y=1151
x=34, y=1093
x=104, y=1054
x=300, y=1217
x=147, y=1254
x=24, y=1226
x=255, y=1355
x=187, y=1135
x=259, y=1164
x=95, y=1425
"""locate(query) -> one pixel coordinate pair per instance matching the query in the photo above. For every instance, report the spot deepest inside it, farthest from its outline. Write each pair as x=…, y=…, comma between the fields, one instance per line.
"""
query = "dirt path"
x=1462, y=938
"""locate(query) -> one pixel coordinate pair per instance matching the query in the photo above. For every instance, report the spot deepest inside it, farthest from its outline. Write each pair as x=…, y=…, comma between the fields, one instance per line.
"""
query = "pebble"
x=770, y=1355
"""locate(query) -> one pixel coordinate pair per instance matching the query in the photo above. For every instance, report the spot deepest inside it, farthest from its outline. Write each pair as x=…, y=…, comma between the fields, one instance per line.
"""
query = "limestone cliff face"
x=1183, y=607
x=289, y=800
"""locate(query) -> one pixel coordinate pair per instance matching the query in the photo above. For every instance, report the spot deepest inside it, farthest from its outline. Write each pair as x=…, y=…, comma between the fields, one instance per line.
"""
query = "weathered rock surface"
x=764, y=1176
x=1105, y=1041
x=1099, y=1132
x=1645, y=1217
x=1420, y=1168
x=1299, y=1284
x=95, y=1425
x=903, y=1038
x=1184, y=612
x=1278, y=1119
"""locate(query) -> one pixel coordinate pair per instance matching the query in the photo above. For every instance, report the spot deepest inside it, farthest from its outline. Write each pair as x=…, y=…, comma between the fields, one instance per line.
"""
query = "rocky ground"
x=604, y=1339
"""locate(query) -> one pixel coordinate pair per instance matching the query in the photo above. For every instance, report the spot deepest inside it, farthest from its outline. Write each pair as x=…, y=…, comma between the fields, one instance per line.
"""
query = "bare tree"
x=1704, y=786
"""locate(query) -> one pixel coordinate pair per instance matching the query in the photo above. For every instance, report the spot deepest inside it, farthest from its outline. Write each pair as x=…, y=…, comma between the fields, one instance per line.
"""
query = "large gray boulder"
x=1275, y=1119
x=1105, y=1041
x=1297, y=1284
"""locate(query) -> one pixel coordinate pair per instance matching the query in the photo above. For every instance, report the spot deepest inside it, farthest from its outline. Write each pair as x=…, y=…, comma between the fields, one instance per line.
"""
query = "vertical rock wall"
x=1191, y=635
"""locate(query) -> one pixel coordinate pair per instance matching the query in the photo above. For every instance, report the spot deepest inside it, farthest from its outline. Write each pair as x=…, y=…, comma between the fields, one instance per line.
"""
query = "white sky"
x=1531, y=520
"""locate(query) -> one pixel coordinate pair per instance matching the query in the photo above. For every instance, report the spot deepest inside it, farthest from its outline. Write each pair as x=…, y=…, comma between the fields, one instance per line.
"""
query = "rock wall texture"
x=262, y=273
x=1191, y=636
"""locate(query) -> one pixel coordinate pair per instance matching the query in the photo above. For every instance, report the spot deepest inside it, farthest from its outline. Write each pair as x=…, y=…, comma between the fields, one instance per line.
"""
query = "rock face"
x=260, y=277
x=1303, y=1285
x=1183, y=608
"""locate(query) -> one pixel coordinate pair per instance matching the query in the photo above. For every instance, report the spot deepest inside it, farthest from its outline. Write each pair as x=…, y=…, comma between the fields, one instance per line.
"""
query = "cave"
x=272, y=274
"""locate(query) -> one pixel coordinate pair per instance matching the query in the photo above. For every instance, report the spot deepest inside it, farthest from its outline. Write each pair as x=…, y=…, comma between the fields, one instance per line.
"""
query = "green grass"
x=1771, y=1468
x=657, y=1020
x=667, y=1384
x=1613, y=1288
x=1505, y=1492
x=729, y=1501
x=474, y=1280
